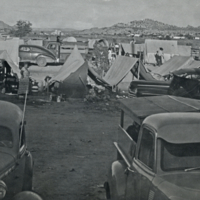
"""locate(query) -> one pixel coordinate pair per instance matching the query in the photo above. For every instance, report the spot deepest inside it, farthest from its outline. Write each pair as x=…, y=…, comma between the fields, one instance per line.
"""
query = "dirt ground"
x=72, y=146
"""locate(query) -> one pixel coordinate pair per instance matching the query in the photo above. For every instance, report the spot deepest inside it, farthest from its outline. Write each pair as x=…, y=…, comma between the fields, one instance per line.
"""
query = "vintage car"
x=64, y=49
x=158, y=156
x=25, y=195
x=16, y=162
x=183, y=82
x=36, y=54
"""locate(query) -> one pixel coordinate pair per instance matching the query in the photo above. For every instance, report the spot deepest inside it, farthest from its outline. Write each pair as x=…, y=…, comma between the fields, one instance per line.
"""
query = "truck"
x=63, y=50
x=16, y=161
x=158, y=155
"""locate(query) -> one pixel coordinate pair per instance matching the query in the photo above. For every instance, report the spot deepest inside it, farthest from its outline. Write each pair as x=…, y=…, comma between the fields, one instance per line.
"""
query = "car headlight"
x=3, y=189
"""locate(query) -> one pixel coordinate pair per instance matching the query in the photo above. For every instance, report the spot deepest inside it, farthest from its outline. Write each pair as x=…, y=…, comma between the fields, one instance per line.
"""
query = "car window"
x=24, y=49
x=6, y=139
x=52, y=46
x=179, y=156
x=146, y=149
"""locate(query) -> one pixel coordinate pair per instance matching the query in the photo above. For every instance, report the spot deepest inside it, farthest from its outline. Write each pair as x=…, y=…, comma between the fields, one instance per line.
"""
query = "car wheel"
x=41, y=61
x=28, y=174
x=28, y=181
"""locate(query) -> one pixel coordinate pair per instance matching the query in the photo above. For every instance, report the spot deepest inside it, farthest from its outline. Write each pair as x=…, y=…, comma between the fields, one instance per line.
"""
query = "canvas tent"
x=151, y=47
x=4, y=56
x=184, y=50
x=137, y=48
x=177, y=62
x=39, y=73
x=72, y=76
x=193, y=64
x=144, y=73
x=127, y=48
x=120, y=68
x=12, y=46
x=96, y=77
x=91, y=43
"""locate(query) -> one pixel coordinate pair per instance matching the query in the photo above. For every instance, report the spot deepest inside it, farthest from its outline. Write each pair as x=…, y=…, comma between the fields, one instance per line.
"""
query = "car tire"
x=41, y=61
x=28, y=174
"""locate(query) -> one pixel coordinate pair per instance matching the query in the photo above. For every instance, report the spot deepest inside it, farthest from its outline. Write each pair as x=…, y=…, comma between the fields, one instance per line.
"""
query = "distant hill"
x=53, y=29
x=136, y=26
x=4, y=26
x=139, y=26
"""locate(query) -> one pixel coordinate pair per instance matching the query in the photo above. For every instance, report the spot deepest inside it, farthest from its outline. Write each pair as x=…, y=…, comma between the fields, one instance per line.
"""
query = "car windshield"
x=6, y=139
x=179, y=156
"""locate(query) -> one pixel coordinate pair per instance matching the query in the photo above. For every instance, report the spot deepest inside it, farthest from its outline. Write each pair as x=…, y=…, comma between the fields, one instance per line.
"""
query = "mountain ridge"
x=121, y=28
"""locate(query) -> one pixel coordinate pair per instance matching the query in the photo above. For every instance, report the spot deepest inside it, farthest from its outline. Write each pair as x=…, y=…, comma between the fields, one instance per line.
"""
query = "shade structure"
x=71, y=79
x=177, y=62
x=4, y=56
x=120, y=68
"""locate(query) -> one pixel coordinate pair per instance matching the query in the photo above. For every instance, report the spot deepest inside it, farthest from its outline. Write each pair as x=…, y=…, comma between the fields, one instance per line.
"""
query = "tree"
x=22, y=28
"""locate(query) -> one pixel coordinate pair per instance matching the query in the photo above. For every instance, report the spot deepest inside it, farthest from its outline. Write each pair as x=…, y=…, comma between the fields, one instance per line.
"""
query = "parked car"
x=36, y=54
x=16, y=162
x=63, y=50
x=158, y=156
x=25, y=195
x=183, y=82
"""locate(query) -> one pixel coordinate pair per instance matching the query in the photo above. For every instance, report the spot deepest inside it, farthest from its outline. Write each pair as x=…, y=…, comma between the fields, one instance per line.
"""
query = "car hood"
x=187, y=180
x=6, y=162
x=184, y=185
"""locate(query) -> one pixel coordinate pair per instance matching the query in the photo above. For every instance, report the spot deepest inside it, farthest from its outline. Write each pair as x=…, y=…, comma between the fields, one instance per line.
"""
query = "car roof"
x=10, y=115
x=140, y=108
x=176, y=127
x=39, y=47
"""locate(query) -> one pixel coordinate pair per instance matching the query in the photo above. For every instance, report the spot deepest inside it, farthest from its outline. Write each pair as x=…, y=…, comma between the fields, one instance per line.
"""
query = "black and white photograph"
x=100, y=100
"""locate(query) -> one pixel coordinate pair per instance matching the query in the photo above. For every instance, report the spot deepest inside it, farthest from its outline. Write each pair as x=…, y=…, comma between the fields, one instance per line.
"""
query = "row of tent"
x=123, y=65
x=150, y=47
x=72, y=75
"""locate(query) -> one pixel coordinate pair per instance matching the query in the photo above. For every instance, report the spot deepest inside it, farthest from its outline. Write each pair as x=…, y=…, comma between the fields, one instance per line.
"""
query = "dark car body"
x=64, y=49
x=16, y=162
x=36, y=54
x=149, y=88
x=184, y=82
x=163, y=163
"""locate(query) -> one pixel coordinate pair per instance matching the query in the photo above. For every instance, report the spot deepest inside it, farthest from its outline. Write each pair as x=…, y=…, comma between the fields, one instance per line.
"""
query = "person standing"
x=157, y=58
x=160, y=56
x=24, y=85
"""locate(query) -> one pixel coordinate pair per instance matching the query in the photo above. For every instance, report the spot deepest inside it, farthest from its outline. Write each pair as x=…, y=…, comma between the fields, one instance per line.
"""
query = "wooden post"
x=122, y=119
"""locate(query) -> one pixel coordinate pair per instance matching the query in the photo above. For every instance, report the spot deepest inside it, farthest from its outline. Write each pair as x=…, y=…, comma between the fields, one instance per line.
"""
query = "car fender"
x=49, y=59
x=28, y=172
x=118, y=177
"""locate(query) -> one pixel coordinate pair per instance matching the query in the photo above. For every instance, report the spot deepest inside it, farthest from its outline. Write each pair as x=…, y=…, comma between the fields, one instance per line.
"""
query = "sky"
x=85, y=14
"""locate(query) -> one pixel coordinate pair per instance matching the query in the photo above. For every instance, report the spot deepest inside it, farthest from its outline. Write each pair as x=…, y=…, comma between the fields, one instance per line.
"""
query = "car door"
x=53, y=47
x=15, y=176
x=142, y=173
x=24, y=53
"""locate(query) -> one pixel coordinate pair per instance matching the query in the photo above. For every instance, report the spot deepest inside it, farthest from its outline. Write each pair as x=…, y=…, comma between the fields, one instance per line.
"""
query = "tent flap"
x=177, y=62
x=4, y=56
x=119, y=69
x=73, y=63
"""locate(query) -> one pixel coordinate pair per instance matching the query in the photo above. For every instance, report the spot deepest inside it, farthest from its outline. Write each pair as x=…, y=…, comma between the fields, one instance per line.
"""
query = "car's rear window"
x=179, y=156
x=6, y=139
